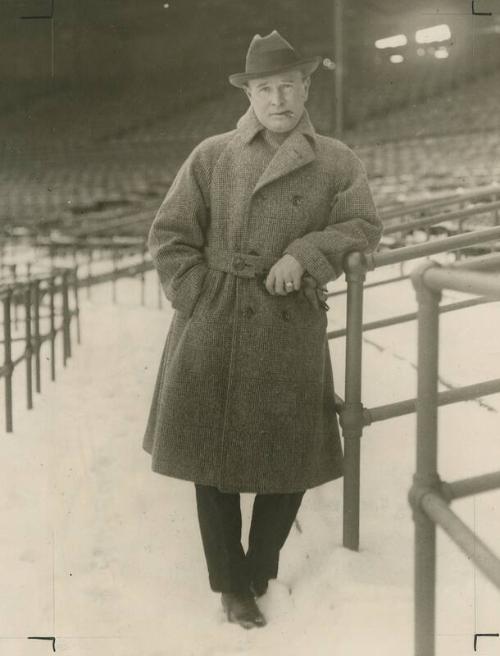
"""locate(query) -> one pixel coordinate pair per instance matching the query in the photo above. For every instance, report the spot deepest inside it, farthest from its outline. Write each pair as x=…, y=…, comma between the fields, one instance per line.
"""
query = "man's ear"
x=247, y=91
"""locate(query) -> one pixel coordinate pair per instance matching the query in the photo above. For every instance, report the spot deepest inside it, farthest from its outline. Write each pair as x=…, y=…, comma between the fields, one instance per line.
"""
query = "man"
x=256, y=222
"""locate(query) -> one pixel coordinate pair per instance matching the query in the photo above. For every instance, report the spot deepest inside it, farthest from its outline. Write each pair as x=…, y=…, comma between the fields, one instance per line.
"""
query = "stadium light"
x=396, y=59
x=433, y=34
x=441, y=53
x=391, y=41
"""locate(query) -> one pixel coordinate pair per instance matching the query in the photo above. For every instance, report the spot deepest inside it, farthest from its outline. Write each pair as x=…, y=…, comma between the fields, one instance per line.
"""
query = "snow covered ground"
x=106, y=556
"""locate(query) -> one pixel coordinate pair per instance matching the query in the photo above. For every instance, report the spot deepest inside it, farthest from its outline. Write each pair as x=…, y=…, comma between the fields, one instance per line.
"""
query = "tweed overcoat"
x=244, y=394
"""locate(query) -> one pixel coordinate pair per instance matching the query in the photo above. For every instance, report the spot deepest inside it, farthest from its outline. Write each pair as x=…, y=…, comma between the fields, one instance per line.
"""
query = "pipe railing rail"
x=94, y=223
x=409, y=406
x=98, y=260
x=29, y=300
x=411, y=316
x=406, y=253
x=44, y=300
x=456, y=215
x=353, y=415
x=417, y=207
x=137, y=270
x=429, y=496
x=140, y=220
x=427, y=222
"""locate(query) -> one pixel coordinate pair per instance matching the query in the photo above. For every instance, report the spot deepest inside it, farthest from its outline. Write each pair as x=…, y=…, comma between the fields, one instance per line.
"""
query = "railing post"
x=13, y=273
x=114, y=277
x=90, y=256
x=66, y=318
x=28, y=347
x=76, y=297
x=52, y=254
x=52, y=292
x=426, y=477
x=7, y=333
x=352, y=414
x=37, y=341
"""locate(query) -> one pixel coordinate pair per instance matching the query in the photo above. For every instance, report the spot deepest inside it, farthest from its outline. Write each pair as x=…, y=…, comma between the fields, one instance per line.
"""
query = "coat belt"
x=243, y=265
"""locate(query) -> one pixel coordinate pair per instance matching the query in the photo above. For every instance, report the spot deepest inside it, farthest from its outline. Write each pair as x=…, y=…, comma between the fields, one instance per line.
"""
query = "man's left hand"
x=284, y=276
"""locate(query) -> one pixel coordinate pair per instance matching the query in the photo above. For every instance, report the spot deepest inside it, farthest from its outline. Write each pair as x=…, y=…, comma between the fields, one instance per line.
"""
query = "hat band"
x=269, y=60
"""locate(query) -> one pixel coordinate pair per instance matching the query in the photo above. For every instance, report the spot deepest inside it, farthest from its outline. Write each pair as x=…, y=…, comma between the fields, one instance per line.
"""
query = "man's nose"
x=277, y=96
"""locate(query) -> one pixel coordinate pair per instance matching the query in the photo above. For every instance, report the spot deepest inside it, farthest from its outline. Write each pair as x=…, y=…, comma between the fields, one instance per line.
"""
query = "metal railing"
x=404, y=229
x=429, y=496
x=353, y=415
x=491, y=192
x=459, y=216
x=32, y=301
x=45, y=302
x=97, y=260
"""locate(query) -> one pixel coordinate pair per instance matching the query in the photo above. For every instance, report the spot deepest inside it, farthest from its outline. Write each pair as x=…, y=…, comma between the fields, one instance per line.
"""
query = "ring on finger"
x=289, y=285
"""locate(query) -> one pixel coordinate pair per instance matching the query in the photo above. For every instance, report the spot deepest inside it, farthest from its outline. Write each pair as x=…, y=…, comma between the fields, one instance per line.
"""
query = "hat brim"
x=307, y=65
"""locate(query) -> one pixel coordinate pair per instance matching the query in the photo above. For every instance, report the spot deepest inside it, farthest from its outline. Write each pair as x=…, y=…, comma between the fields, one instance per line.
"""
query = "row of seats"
x=468, y=108
x=56, y=181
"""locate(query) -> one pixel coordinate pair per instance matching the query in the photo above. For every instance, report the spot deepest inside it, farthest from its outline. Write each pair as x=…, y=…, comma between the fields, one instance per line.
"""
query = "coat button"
x=239, y=263
x=296, y=200
x=286, y=315
x=248, y=312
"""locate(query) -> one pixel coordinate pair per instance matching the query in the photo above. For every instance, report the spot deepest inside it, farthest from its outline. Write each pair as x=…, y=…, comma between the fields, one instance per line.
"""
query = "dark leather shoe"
x=241, y=609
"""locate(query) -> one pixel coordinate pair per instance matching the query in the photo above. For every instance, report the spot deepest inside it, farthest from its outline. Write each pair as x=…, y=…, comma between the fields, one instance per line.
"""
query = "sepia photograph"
x=250, y=327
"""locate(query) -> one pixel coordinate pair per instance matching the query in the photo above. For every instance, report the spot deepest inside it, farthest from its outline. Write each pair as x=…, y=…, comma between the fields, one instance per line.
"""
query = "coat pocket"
x=209, y=291
x=188, y=290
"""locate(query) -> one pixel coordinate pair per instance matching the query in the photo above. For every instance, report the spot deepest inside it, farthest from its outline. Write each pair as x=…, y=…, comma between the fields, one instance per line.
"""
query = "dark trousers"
x=219, y=515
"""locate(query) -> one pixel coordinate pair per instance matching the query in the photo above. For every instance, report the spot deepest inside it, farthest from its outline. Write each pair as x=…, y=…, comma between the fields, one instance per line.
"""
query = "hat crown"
x=269, y=52
x=270, y=55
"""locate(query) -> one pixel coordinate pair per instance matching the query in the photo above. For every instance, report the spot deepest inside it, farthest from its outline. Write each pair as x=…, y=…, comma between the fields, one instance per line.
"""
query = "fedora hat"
x=271, y=54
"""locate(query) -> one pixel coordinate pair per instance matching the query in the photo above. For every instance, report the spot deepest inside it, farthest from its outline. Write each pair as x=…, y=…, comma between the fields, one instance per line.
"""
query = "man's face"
x=278, y=100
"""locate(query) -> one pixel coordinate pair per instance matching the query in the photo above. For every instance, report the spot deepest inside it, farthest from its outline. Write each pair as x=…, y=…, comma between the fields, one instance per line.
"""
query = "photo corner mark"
x=483, y=635
x=475, y=5
x=51, y=638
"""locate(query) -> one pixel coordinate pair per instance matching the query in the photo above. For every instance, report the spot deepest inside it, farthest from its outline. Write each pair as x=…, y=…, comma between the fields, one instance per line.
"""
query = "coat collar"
x=249, y=126
x=296, y=151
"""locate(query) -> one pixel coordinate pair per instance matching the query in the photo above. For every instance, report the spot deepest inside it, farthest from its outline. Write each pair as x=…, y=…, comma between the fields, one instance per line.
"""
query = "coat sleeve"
x=353, y=226
x=177, y=235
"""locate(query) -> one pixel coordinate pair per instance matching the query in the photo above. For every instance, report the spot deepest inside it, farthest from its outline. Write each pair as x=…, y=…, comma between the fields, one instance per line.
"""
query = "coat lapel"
x=295, y=152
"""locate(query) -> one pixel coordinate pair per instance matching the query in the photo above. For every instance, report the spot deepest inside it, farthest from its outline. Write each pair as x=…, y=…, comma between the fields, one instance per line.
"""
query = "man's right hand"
x=285, y=276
